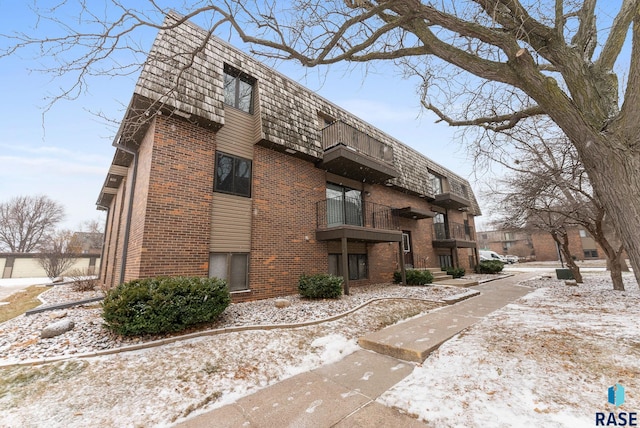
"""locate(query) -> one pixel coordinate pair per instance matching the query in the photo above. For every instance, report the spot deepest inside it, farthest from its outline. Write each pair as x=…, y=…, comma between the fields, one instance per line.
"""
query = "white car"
x=511, y=258
x=491, y=255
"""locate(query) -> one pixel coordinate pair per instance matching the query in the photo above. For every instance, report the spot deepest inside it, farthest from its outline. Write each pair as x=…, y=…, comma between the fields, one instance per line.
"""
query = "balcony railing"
x=341, y=133
x=458, y=189
x=346, y=211
x=455, y=231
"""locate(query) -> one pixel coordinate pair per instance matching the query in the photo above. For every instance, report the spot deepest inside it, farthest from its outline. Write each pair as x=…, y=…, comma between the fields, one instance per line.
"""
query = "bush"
x=83, y=280
x=163, y=304
x=414, y=277
x=320, y=286
x=455, y=272
x=490, y=266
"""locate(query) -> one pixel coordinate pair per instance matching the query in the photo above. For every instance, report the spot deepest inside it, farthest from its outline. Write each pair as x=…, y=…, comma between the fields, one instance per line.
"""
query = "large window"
x=238, y=89
x=233, y=175
x=436, y=183
x=440, y=226
x=232, y=267
x=358, y=266
x=344, y=206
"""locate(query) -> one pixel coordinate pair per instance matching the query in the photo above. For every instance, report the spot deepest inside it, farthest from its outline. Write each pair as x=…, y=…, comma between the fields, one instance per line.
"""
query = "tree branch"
x=493, y=123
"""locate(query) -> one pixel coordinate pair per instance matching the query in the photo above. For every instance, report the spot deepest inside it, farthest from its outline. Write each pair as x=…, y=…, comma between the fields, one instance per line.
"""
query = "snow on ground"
x=160, y=385
x=545, y=360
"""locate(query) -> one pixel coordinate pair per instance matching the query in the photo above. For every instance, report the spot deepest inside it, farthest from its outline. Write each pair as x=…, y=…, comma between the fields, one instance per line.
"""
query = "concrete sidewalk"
x=343, y=394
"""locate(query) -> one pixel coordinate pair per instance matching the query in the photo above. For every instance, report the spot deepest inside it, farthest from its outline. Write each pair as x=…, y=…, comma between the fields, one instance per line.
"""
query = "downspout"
x=104, y=241
x=127, y=229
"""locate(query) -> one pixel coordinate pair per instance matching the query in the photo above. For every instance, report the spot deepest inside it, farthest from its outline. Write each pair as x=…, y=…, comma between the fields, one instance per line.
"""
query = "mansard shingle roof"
x=184, y=72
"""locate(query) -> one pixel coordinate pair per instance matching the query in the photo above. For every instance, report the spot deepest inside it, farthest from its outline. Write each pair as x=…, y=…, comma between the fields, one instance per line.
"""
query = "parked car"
x=511, y=258
x=491, y=255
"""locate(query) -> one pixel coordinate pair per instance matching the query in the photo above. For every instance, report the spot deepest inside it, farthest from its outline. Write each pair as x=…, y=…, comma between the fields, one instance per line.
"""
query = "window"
x=358, y=265
x=445, y=260
x=344, y=206
x=436, y=184
x=583, y=233
x=232, y=267
x=233, y=175
x=238, y=89
x=406, y=243
x=440, y=227
x=590, y=254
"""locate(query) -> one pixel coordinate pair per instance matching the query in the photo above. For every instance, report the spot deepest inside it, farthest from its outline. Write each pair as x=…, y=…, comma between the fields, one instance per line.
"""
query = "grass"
x=21, y=302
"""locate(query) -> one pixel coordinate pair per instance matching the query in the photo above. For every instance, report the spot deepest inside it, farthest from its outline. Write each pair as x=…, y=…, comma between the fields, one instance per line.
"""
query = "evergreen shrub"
x=414, y=277
x=490, y=266
x=320, y=286
x=163, y=304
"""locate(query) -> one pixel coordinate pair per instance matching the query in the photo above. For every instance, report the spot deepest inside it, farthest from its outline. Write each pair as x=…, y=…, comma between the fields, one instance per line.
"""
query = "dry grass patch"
x=21, y=302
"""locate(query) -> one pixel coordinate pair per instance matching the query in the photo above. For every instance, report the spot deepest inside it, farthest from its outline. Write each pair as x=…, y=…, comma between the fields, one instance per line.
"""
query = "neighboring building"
x=539, y=245
x=238, y=172
x=90, y=242
x=27, y=265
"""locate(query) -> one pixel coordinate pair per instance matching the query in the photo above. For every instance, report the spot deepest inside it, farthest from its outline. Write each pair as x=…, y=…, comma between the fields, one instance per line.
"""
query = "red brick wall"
x=137, y=228
x=384, y=257
x=285, y=191
x=545, y=246
x=177, y=212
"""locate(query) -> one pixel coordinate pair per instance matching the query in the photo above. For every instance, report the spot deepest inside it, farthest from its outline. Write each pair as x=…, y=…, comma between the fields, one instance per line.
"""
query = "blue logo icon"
x=616, y=395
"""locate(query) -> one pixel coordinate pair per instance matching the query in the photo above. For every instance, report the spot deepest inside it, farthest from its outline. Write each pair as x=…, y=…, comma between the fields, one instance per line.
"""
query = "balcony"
x=453, y=235
x=354, y=154
x=355, y=220
x=456, y=198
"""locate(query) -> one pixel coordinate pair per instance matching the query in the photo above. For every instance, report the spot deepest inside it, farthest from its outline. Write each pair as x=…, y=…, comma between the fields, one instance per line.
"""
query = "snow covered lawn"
x=545, y=361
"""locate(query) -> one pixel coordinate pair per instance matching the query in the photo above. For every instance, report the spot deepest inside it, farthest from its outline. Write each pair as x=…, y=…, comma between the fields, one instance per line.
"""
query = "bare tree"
x=59, y=253
x=548, y=188
x=25, y=221
x=483, y=63
x=528, y=205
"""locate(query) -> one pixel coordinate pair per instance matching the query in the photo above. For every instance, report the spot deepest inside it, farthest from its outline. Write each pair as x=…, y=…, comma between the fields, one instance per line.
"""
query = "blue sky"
x=65, y=154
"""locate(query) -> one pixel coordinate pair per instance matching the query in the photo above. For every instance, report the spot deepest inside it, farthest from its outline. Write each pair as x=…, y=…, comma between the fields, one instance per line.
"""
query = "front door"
x=406, y=249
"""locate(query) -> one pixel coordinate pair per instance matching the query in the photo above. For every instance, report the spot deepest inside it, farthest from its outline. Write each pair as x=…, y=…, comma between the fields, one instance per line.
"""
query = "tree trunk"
x=618, y=189
x=614, y=260
x=563, y=241
x=612, y=161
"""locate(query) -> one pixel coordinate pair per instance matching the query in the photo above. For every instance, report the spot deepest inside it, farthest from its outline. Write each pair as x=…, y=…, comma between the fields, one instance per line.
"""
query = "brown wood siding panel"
x=230, y=223
x=237, y=136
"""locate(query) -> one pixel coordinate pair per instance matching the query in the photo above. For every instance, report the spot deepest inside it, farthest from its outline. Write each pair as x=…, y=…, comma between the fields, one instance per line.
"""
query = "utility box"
x=564, y=274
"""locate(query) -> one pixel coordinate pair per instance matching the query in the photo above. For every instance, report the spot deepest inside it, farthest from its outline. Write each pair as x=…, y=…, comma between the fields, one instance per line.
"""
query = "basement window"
x=232, y=267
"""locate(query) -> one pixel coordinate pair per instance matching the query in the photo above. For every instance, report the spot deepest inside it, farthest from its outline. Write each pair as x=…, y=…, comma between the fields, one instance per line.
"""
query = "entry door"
x=406, y=249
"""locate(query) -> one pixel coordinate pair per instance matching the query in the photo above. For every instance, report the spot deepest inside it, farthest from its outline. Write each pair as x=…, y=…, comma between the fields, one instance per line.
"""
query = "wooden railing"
x=442, y=231
x=341, y=133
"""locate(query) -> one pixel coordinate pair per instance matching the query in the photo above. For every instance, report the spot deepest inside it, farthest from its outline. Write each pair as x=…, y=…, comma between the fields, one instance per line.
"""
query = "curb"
x=62, y=305
x=204, y=333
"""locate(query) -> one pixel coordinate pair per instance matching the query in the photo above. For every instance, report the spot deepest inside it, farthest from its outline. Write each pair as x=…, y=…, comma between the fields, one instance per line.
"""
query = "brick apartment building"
x=224, y=167
x=539, y=245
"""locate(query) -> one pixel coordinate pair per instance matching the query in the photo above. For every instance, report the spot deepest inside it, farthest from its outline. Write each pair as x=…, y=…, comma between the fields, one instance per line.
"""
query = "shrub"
x=414, y=277
x=82, y=280
x=490, y=266
x=455, y=272
x=320, y=286
x=163, y=304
